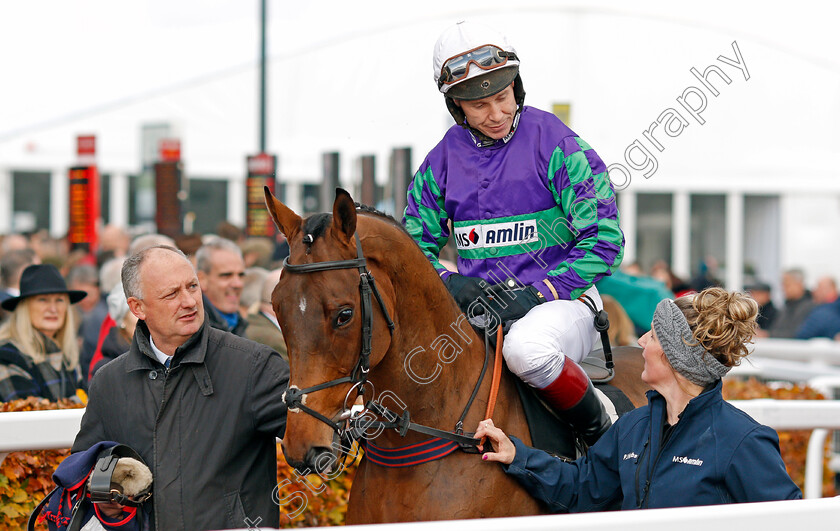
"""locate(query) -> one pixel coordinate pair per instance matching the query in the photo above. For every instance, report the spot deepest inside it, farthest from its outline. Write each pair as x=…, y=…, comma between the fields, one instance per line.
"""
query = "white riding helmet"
x=472, y=61
x=468, y=51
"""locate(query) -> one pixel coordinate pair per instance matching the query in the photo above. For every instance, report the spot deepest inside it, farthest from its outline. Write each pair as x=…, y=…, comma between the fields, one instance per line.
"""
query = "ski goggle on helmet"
x=472, y=61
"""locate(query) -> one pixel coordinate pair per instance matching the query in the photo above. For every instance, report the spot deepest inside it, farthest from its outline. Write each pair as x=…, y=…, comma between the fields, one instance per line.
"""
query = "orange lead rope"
x=497, y=376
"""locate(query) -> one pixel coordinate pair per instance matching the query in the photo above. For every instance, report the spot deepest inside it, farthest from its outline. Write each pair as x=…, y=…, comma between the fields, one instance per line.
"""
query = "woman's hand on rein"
x=503, y=449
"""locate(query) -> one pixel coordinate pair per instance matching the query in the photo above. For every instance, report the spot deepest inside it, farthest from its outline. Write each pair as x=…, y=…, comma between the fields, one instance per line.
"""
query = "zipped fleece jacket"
x=206, y=427
x=715, y=454
x=537, y=207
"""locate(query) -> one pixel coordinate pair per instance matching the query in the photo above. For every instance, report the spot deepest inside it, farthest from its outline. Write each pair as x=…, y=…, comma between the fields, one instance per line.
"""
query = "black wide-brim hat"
x=42, y=279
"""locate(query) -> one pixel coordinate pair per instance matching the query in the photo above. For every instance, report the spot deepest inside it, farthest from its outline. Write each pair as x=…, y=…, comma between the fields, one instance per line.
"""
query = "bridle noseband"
x=293, y=397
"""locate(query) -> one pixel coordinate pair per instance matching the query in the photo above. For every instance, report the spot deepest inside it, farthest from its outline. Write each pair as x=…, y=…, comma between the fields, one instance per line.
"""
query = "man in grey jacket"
x=200, y=405
x=798, y=304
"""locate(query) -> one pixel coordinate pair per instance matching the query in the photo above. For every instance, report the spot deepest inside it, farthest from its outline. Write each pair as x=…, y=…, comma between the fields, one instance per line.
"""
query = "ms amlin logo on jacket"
x=496, y=234
x=687, y=460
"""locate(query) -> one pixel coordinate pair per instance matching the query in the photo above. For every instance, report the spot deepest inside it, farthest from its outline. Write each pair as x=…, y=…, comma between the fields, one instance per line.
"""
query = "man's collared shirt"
x=161, y=357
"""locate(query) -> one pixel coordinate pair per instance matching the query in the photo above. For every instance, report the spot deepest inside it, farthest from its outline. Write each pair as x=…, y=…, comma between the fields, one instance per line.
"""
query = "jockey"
x=533, y=214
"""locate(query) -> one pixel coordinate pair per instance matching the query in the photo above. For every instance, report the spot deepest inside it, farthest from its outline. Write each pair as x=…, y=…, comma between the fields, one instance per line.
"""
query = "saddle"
x=549, y=432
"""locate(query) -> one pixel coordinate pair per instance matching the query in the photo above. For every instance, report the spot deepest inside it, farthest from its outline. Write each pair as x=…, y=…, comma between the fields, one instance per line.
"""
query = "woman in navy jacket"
x=687, y=446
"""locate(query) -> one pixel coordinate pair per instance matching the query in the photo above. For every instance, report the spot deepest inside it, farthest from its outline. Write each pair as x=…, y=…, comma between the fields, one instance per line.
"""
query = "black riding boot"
x=588, y=417
x=573, y=396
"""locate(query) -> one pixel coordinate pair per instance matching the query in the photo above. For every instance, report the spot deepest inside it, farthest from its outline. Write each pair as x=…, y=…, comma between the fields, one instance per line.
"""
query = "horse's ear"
x=286, y=220
x=344, y=213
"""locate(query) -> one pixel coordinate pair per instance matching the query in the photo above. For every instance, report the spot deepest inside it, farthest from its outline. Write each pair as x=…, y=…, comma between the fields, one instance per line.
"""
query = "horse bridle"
x=293, y=397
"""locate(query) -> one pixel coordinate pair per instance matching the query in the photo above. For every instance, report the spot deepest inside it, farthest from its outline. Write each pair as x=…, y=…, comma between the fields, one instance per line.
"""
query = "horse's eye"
x=343, y=317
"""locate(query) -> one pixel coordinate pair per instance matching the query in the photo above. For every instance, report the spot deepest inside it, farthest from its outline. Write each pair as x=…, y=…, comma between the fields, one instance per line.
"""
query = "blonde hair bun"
x=723, y=322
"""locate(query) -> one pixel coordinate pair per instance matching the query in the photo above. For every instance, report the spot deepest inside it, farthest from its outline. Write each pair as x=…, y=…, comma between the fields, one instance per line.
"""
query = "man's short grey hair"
x=83, y=274
x=12, y=264
x=109, y=274
x=149, y=240
x=203, y=256
x=796, y=274
x=131, y=270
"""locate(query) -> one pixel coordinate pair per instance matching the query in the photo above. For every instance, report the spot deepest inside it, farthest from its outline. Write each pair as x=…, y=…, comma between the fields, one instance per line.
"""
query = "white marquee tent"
x=356, y=77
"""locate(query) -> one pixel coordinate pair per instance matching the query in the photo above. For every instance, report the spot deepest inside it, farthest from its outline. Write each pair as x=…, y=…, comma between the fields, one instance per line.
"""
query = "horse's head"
x=322, y=312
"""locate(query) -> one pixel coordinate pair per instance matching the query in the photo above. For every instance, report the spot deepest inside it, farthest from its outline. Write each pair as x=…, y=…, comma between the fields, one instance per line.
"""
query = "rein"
x=294, y=397
x=403, y=423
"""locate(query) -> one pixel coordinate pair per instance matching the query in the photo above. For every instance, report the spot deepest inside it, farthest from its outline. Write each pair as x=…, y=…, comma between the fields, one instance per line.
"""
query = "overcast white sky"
x=63, y=58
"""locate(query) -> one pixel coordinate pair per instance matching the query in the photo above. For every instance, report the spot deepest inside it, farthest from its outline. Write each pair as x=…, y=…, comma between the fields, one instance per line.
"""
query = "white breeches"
x=537, y=344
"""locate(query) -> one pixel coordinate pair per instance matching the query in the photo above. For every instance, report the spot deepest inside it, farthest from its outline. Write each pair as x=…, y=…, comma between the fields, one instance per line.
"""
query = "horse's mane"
x=378, y=213
x=317, y=224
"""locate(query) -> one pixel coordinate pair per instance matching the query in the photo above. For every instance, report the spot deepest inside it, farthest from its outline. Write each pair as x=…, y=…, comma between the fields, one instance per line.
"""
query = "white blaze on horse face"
x=302, y=305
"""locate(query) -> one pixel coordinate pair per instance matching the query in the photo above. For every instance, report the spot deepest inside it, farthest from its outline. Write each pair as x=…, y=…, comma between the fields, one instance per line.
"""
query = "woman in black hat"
x=39, y=350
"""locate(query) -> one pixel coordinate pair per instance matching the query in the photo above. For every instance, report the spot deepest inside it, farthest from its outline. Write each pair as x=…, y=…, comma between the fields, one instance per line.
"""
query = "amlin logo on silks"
x=496, y=234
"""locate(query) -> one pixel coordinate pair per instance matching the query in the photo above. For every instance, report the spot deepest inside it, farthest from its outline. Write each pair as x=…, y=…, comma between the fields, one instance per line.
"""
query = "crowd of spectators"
x=237, y=276
x=805, y=313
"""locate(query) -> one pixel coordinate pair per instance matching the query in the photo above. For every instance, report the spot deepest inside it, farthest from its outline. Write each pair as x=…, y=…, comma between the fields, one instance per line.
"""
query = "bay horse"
x=411, y=342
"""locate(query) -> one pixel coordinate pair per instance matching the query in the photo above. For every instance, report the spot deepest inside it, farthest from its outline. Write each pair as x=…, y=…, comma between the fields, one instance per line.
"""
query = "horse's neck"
x=435, y=357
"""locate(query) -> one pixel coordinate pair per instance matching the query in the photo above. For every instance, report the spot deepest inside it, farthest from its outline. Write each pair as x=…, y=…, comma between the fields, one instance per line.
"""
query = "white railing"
x=769, y=516
x=53, y=429
x=820, y=350
x=791, y=360
x=770, y=368
x=57, y=429
x=39, y=430
x=792, y=414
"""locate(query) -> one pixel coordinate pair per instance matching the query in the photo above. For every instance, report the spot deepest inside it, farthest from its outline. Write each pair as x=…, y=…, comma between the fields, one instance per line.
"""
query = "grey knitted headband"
x=684, y=353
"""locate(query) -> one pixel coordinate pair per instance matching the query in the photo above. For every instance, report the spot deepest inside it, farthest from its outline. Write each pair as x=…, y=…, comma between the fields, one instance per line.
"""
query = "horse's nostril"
x=320, y=460
x=300, y=466
x=297, y=464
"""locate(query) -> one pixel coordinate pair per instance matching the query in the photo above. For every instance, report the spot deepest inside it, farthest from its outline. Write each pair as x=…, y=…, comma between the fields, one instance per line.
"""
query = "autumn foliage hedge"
x=25, y=477
x=312, y=501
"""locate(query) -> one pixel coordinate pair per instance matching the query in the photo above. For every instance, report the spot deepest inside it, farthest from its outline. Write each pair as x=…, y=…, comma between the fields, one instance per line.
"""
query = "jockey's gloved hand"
x=465, y=290
x=514, y=304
